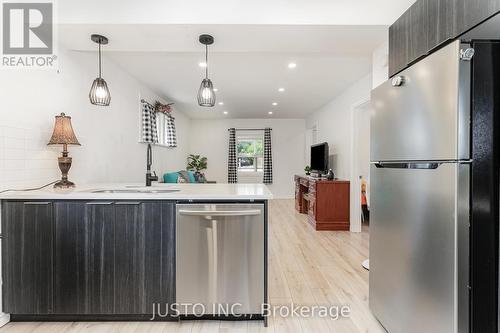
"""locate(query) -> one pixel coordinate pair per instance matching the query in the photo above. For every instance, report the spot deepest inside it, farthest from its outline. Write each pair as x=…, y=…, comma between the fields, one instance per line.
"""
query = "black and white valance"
x=149, y=129
x=268, y=157
x=232, y=162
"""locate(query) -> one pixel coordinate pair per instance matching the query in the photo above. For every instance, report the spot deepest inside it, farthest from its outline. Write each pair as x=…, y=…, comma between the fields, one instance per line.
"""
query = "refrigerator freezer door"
x=425, y=117
x=413, y=235
x=220, y=258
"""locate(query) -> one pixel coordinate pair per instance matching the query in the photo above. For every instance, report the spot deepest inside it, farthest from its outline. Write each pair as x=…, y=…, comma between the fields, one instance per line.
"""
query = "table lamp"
x=64, y=135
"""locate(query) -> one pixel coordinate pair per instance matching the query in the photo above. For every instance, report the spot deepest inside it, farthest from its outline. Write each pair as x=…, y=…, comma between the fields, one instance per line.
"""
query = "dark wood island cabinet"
x=87, y=259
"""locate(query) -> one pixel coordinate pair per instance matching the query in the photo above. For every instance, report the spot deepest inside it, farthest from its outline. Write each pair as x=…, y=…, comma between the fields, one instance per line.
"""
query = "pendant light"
x=206, y=94
x=99, y=92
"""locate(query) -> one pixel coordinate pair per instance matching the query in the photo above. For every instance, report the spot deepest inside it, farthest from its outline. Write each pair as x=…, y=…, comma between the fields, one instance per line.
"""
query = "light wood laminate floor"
x=306, y=267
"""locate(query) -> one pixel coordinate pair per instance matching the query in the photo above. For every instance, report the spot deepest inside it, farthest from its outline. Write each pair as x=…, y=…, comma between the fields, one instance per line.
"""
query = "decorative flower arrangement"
x=163, y=108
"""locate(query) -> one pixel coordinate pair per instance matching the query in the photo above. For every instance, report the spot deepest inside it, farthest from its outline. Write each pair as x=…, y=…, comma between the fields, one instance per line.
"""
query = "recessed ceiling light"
x=216, y=90
x=270, y=112
x=281, y=89
x=292, y=65
x=202, y=64
x=274, y=103
x=221, y=103
x=225, y=112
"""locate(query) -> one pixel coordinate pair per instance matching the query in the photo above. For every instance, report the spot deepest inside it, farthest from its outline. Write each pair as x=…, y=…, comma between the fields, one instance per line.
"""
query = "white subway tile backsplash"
x=41, y=154
x=14, y=154
x=33, y=144
x=14, y=165
x=13, y=143
x=9, y=176
x=13, y=132
x=48, y=175
x=34, y=165
x=25, y=159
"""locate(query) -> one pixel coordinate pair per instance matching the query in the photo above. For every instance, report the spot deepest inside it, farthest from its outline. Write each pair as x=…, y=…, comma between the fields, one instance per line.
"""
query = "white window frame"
x=254, y=136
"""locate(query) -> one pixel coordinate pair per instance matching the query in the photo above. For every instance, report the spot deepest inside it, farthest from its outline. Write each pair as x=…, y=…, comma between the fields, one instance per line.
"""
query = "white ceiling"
x=248, y=62
x=324, y=12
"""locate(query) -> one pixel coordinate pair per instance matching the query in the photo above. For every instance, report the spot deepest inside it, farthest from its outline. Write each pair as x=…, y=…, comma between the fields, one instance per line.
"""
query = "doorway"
x=360, y=166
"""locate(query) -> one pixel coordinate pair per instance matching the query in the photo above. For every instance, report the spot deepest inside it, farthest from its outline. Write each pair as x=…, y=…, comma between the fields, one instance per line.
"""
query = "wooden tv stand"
x=326, y=202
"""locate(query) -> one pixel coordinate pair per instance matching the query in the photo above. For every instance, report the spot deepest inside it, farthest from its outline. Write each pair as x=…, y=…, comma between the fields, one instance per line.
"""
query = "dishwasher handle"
x=247, y=212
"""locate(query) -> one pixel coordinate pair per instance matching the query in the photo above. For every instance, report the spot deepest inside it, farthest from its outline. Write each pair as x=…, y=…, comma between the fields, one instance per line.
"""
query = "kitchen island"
x=129, y=252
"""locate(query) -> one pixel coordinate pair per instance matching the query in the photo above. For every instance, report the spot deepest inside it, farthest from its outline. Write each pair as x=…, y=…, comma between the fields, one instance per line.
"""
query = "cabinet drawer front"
x=84, y=269
x=144, y=231
x=27, y=257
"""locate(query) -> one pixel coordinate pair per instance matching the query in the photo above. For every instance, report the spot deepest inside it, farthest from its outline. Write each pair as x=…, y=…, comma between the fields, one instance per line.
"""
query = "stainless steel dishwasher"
x=220, y=259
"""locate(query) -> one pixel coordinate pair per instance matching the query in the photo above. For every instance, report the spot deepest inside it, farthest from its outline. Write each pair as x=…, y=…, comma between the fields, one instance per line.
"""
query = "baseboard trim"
x=4, y=319
x=70, y=317
x=132, y=317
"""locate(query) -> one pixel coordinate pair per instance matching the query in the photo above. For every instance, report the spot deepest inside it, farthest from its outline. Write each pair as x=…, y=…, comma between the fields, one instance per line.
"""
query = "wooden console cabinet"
x=326, y=202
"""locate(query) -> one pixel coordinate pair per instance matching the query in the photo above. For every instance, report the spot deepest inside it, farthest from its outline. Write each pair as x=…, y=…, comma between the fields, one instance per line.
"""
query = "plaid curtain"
x=232, y=162
x=149, y=130
x=171, y=135
x=268, y=157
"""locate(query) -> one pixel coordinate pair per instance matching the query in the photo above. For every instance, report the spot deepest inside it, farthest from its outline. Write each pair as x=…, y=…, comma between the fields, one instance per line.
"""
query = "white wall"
x=380, y=64
x=110, y=151
x=334, y=124
x=210, y=138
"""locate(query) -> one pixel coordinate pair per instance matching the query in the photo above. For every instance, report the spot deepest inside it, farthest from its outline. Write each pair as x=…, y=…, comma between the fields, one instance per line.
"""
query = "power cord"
x=29, y=189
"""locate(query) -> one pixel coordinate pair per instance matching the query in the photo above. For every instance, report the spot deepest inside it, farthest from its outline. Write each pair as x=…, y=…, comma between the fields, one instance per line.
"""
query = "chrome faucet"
x=149, y=161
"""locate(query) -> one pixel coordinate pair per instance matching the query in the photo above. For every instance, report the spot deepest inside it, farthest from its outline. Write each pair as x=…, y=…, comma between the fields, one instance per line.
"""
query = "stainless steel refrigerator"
x=420, y=169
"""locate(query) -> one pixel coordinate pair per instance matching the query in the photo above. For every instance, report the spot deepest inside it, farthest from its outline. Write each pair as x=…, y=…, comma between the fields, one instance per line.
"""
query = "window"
x=250, y=152
x=161, y=125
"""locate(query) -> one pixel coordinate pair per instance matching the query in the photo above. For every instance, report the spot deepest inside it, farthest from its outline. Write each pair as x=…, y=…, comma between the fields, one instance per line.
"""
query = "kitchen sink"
x=142, y=191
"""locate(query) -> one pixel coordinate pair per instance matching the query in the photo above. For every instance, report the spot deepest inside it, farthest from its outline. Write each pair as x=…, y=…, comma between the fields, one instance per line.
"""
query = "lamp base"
x=64, y=166
x=64, y=184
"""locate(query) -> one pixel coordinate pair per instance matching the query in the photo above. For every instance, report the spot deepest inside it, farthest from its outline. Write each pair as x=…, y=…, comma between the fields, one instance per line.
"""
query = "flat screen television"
x=319, y=158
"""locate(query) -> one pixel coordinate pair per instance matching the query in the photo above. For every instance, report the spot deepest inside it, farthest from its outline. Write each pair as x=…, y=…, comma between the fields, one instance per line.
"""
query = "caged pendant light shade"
x=99, y=92
x=206, y=94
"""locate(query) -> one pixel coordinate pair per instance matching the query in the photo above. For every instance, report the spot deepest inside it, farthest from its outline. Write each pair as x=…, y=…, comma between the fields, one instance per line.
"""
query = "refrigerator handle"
x=412, y=165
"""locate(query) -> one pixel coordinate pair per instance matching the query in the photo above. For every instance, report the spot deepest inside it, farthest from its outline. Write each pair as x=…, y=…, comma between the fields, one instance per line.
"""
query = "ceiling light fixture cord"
x=206, y=61
x=99, y=55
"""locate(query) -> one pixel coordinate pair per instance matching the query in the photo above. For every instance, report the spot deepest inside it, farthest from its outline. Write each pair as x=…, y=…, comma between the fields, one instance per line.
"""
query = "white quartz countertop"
x=140, y=192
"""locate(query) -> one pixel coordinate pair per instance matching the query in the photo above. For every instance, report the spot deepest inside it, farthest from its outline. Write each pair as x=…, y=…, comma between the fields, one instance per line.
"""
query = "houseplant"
x=307, y=169
x=197, y=164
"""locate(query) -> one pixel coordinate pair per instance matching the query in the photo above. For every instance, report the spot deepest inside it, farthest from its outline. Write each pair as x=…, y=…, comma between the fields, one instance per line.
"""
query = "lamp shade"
x=206, y=94
x=63, y=132
x=99, y=93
